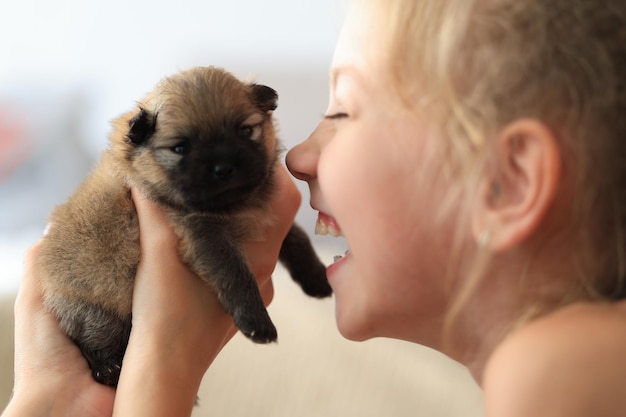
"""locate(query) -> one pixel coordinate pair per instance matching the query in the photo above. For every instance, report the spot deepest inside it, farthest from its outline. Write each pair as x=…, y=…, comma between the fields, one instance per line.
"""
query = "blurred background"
x=67, y=67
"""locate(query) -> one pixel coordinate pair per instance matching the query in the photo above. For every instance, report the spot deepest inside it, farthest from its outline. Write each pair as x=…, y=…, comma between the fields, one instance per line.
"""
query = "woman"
x=472, y=157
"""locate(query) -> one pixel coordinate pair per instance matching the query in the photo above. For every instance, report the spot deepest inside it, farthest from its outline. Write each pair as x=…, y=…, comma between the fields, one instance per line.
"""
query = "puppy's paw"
x=314, y=282
x=316, y=288
x=107, y=374
x=105, y=367
x=257, y=327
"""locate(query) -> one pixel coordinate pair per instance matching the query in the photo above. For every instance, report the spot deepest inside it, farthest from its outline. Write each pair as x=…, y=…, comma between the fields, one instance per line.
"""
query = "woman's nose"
x=302, y=160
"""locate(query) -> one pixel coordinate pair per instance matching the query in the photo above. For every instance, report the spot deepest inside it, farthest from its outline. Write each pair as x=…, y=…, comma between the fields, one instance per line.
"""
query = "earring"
x=484, y=239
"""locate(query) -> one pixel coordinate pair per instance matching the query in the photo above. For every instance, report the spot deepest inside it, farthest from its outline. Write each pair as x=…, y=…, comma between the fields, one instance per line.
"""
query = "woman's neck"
x=505, y=298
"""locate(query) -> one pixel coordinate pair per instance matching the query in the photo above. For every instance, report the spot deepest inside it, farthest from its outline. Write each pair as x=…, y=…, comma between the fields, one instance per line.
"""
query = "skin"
x=158, y=379
x=373, y=170
x=569, y=363
x=365, y=154
x=47, y=364
x=360, y=155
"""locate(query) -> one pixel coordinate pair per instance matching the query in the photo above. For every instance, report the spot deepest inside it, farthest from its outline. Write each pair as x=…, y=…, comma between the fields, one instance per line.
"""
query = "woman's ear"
x=519, y=186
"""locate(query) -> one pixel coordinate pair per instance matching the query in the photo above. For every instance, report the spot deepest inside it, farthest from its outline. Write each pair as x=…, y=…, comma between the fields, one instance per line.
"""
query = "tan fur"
x=214, y=191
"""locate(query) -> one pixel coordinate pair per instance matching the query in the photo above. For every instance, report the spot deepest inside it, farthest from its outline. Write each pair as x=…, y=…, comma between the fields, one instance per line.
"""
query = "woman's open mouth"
x=327, y=225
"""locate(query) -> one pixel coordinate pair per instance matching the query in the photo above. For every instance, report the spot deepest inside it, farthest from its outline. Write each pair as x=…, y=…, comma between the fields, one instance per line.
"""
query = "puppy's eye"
x=252, y=132
x=181, y=148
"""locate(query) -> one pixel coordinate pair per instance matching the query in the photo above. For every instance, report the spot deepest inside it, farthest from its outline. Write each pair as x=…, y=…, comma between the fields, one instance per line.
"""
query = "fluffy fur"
x=203, y=146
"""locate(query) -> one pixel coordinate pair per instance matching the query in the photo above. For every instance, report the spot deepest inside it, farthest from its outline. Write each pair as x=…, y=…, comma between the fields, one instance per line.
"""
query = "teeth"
x=339, y=257
x=333, y=231
x=327, y=226
x=323, y=229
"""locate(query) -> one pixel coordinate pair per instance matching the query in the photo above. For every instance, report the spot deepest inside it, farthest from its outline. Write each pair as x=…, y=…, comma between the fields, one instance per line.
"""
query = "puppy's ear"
x=265, y=97
x=141, y=127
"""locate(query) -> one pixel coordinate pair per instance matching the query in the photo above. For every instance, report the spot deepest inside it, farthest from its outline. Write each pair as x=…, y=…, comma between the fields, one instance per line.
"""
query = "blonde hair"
x=486, y=63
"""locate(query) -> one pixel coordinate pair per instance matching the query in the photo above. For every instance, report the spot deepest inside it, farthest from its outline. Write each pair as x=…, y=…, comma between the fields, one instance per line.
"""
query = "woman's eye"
x=336, y=116
x=181, y=148
x=250, y=132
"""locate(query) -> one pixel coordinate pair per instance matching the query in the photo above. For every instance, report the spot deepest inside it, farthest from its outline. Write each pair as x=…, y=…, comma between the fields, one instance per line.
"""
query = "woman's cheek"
x=335, y=176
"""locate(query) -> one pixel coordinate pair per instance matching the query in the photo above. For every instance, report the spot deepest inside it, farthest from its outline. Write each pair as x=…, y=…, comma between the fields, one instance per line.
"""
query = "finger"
x=283, y=205
x=287, y=199
x=159, y=244
x=38, y=337
x=262, y=255
x=155, y=233
x=162, y=278
x=30, y=310
x=29, y=297
x=267, y=291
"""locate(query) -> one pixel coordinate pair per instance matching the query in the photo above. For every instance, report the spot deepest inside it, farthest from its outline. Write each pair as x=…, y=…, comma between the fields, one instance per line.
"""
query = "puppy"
x=202, y=145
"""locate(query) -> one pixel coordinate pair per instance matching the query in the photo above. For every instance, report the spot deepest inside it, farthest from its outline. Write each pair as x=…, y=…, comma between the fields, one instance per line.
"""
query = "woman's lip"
x=331, y=269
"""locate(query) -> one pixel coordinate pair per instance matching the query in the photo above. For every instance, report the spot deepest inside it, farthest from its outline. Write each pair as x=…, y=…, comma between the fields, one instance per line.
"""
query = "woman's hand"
x=178, y=329
x=51, y=376
x=179, y=326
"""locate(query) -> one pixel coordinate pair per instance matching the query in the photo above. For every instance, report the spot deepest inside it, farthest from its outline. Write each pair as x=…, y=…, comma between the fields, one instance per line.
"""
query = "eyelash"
x=336, y=116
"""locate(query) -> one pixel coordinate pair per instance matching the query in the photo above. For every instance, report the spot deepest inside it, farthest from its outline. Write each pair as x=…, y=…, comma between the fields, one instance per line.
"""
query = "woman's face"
x=373, y=169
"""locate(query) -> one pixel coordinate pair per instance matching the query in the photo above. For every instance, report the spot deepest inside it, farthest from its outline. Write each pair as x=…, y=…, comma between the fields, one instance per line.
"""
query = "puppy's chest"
x=254, y=223
x=246, y=226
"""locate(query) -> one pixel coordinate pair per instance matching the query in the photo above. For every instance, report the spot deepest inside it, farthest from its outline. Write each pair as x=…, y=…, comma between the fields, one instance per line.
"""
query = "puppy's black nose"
x=223, y=172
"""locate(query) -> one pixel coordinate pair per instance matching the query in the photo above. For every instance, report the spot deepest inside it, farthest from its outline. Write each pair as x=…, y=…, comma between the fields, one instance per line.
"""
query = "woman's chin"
x=351, y=329
x=350, y=309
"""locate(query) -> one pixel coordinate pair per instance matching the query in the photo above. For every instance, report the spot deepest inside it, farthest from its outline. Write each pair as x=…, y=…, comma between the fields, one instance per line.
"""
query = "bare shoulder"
x=569, y=363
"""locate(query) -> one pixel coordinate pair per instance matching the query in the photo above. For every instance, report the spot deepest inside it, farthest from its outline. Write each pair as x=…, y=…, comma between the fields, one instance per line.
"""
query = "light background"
x=67, y=67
